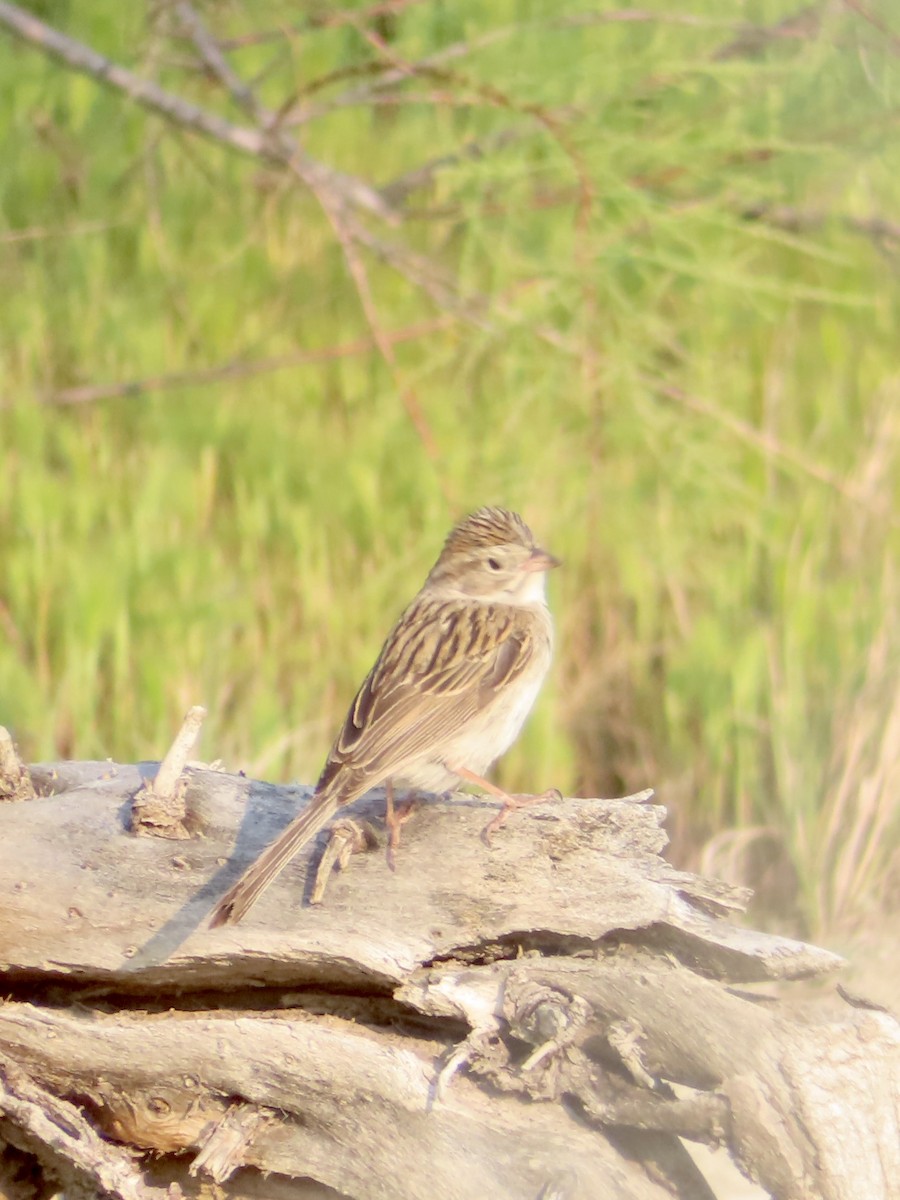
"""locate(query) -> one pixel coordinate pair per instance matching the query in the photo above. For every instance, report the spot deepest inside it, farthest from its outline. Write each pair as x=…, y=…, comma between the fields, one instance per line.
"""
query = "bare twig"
x=238, y=369
x=879, y=229
x=349, y=232
x=347, y=235
x=387, y=76
x=336, y=192
x=396, y=191
x=258, y=143
x=347, y=838
x=424, y=273
x=785, y=454
x=37, y=233
x=325, y=19
x=176, y=759
x=215, y=61
x=492, y=96
x=753, y=39
x=876, y=22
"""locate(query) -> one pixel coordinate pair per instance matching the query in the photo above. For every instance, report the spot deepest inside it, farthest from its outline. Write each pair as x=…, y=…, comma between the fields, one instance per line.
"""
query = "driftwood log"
x=545, y=1018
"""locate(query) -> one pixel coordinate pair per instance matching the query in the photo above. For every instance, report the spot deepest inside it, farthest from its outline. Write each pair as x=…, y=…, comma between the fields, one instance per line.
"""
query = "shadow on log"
x=547, y=1018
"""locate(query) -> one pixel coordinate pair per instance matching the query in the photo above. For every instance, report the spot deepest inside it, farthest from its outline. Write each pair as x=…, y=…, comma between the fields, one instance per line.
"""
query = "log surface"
x=545, y=1017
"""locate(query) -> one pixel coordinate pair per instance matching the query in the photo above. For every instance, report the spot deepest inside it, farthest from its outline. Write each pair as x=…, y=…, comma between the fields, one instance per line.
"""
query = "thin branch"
x=215, y=61
x=237, y=369
x=752, y=40
x=792, y=27
x=320, y=20
x=424, y=274
x=36, y=233
x=396, y=191
x=876, y=22
x=879, y=229
x=335, y=191
x=397, y=74
x=496, y=98
x=765, y=442
x=348, y=238
x=258, y=143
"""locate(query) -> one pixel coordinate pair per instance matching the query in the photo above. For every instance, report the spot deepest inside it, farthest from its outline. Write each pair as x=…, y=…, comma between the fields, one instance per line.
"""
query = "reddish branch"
x=240, y=370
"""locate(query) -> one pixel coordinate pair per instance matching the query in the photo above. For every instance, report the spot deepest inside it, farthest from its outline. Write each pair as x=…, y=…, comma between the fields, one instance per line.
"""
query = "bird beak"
x=540, y=560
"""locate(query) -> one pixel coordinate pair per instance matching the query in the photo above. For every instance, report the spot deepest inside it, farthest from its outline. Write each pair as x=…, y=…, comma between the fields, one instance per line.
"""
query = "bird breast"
x=491, y=732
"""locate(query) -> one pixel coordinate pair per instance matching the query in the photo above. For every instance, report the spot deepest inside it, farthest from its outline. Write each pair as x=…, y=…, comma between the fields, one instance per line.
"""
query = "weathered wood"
x=158, y=808
x=133, y=912
x=545, y=1017
x=15, y=782
x=58, y=1134
x=352, y=1107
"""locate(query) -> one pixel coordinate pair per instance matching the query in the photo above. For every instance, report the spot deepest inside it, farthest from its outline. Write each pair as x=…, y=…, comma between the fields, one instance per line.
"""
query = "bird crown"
x=488, y=527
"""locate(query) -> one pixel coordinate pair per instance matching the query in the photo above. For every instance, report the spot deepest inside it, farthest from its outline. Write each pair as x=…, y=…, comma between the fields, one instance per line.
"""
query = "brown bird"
x=450, y=691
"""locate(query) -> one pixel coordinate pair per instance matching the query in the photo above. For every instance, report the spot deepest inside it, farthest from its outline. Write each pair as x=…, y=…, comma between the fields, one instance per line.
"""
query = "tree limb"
x=239, y=368
x=259, y=143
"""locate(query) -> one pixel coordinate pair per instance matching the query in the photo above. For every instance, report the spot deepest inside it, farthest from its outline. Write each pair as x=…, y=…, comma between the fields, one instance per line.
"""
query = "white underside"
x=489, y=735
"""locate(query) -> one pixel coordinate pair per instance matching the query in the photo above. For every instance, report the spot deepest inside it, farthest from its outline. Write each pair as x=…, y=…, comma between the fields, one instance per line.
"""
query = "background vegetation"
x=636, y=275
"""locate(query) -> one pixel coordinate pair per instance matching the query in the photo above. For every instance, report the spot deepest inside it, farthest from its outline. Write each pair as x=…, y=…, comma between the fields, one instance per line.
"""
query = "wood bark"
x=547, y=1017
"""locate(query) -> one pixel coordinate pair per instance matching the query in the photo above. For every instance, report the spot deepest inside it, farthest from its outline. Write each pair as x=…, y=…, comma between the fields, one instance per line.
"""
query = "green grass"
x=697, y=410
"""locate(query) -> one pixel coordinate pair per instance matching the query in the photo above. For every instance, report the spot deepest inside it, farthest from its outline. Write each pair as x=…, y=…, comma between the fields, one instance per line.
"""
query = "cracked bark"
x=547, y=1017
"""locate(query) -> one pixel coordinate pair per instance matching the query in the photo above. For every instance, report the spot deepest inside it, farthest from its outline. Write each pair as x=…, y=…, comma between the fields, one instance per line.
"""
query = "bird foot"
x=395, y=818
x=511, y=804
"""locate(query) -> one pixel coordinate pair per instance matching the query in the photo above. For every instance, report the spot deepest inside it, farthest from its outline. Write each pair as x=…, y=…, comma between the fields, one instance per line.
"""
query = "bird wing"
x=442, y=664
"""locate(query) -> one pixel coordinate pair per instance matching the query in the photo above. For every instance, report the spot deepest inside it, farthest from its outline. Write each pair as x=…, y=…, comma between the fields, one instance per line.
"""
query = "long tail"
x=251, y=885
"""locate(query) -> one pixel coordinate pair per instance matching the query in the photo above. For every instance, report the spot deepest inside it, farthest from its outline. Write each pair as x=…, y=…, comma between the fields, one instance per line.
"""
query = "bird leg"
x=510, y=802
x=395, y=818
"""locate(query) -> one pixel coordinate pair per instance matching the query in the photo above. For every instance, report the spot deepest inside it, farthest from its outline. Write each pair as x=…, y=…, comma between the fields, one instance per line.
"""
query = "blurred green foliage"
x=676, y=351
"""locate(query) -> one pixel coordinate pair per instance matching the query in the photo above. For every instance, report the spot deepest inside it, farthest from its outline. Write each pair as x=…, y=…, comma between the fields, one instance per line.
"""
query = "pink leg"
x=395, y=819
x=510, y=803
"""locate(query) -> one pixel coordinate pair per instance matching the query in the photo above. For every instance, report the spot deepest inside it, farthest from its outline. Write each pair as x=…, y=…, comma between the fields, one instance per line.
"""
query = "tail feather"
x=251, y=885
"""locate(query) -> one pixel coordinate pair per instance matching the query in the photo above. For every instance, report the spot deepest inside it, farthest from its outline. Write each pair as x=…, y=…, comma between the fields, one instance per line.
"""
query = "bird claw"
x=395, y=818
x=511, y=804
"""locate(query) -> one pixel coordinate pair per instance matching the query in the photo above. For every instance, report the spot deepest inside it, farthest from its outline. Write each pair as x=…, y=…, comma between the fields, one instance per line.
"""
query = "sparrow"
x=448, y=694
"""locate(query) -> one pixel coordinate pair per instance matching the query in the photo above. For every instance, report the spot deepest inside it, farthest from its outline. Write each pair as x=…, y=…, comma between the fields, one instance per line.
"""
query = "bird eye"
x=493, y=564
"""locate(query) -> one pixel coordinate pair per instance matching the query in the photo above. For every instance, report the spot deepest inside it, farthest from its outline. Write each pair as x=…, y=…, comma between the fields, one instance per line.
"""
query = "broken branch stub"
x=158, y=808
x=15, y=781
